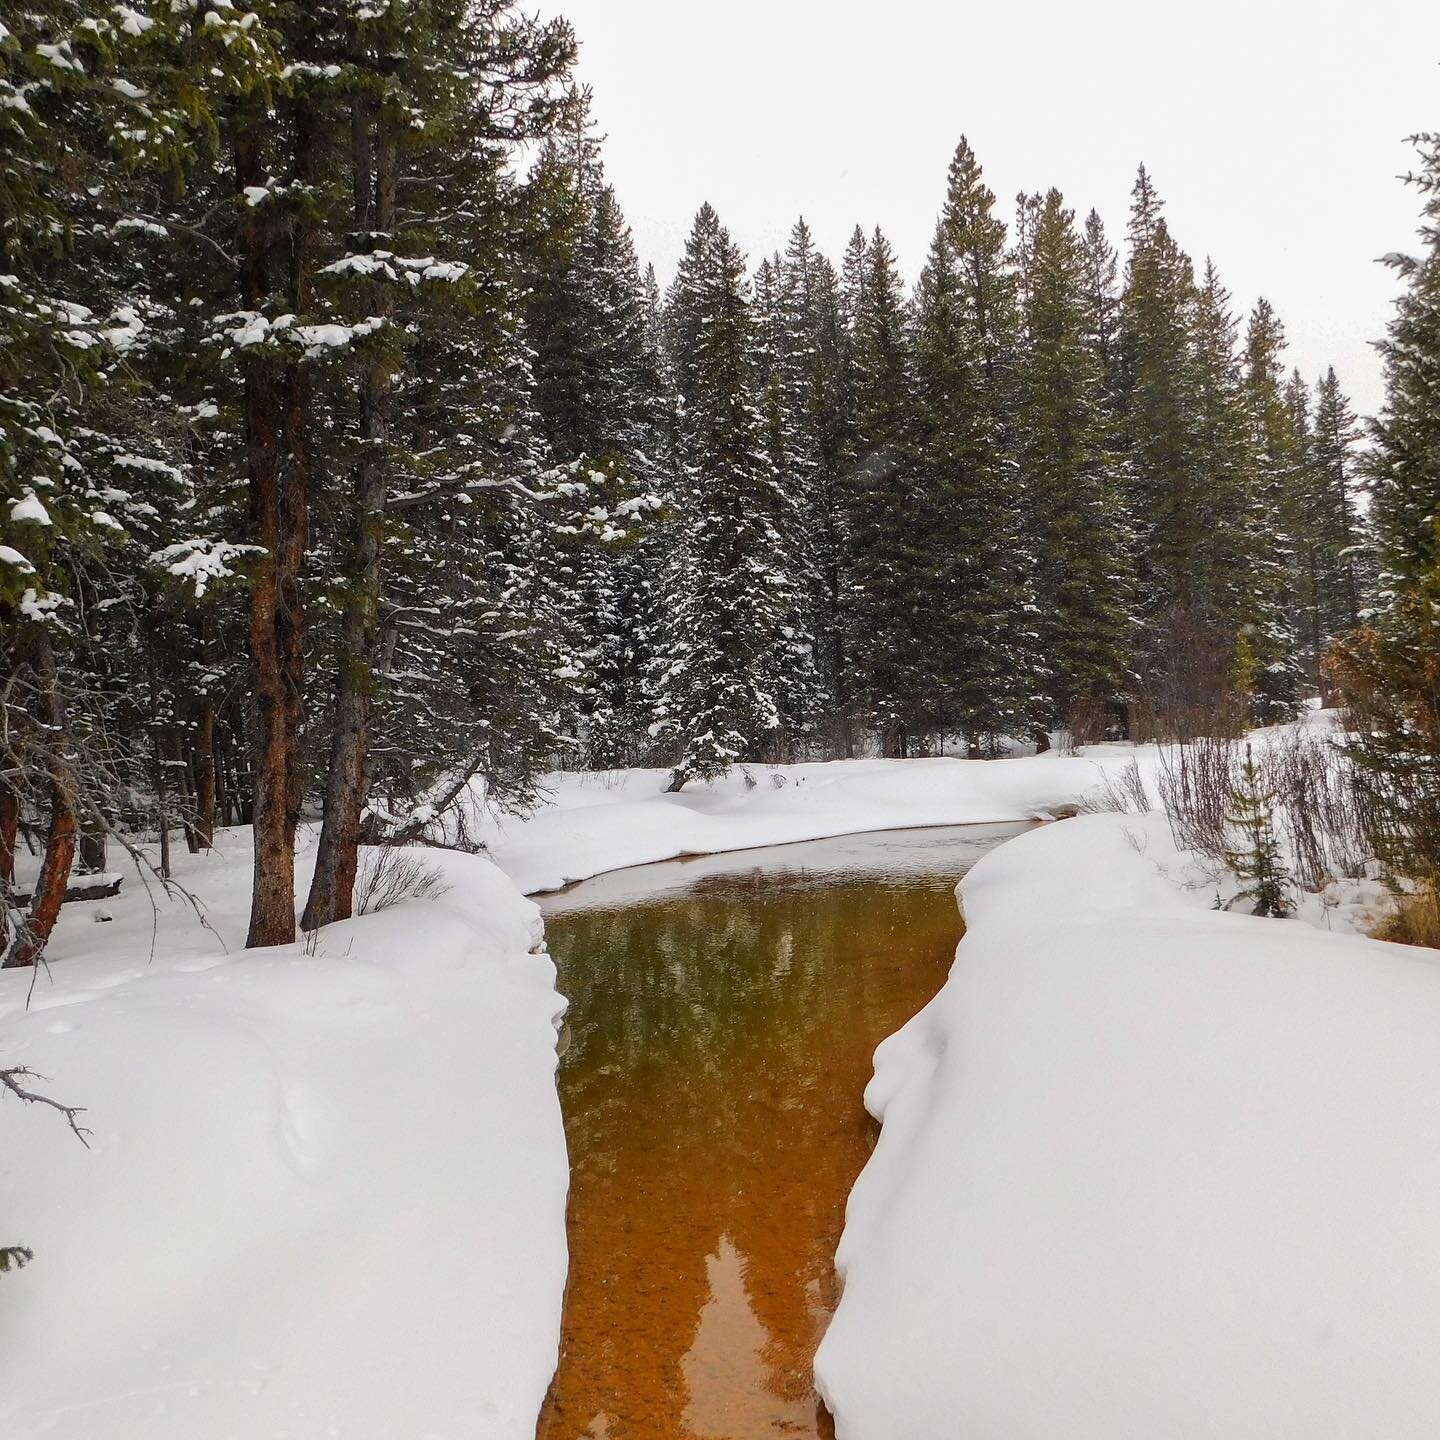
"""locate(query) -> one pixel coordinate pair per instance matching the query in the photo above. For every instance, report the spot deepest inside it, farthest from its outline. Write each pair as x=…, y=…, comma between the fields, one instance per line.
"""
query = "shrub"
x=392, y=873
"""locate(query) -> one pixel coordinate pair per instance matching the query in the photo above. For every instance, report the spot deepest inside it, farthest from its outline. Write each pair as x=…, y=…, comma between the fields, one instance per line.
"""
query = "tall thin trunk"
x=295, y=475
x=9, y=832
x=337, y=852
x=272, y=902
x=205, y=777
x=162, y=808
x=60, y=843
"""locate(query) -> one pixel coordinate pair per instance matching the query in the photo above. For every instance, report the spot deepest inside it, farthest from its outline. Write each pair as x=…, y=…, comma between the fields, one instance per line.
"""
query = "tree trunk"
x=60, y=843
x=9, y=833
x=162, y=808
x=93, y=849
x=204, y=827
x=272, y=902
x=337, y=853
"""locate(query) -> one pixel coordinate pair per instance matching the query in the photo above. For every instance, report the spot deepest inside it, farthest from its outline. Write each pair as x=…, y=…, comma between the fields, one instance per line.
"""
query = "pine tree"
x=982, y=657
x=1228, y=552
x=1187, y=477
x=1390, y=670
x=1279, y=456
x=1072, y=499
x=1334, y=516
x=1255, y=858
x=731, y=667
x=80, y=146
x=880, y=578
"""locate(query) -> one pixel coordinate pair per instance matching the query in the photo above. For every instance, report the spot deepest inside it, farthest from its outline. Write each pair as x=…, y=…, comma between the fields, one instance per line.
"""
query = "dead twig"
x=11, y=1079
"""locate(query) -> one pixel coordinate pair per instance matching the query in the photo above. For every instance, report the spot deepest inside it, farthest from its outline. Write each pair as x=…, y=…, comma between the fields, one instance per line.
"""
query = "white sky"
x=1274, y=129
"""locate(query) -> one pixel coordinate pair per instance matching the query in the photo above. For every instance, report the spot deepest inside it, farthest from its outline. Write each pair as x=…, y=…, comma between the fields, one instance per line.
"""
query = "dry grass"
x=1324, y=812
x=1416, y=920
x=1121, y=793
x=392, y=873
x=1198, y=780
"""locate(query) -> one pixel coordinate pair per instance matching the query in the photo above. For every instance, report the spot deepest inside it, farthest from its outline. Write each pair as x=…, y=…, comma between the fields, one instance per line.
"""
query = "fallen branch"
x=11, y=1079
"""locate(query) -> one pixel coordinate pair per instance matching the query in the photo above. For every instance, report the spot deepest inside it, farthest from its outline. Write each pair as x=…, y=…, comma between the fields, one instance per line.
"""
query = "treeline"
x=1051, y=488
x=351, y=460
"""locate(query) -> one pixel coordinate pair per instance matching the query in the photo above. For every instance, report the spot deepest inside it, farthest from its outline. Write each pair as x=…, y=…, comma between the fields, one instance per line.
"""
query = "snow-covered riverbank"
x=325, y=1191
x=608, y=820
x=1147, y=1169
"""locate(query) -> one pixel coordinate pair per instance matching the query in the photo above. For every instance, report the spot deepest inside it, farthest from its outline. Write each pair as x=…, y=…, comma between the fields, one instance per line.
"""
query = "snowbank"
x=1146, y=1170
x=608, y=820
x=325, y=1192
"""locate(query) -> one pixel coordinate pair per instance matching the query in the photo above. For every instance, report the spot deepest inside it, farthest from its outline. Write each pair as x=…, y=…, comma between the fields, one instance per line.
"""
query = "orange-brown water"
x=723, y=1017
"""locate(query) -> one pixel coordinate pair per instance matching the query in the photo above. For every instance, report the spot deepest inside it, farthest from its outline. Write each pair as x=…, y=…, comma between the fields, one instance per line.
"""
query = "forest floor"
x=1145, y=1168
x=325, y=1186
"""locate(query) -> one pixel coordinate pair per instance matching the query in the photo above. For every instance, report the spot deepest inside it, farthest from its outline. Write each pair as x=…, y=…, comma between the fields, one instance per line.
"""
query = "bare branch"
x=11, y=1080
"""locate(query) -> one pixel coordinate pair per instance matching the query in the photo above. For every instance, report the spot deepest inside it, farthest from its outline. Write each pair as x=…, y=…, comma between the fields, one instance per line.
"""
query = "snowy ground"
x=1147, y=1170
x=325, y=1192
x=607, y=820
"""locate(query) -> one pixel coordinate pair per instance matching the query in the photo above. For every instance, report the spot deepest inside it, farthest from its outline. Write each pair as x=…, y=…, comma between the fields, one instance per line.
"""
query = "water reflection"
x=723, y=1016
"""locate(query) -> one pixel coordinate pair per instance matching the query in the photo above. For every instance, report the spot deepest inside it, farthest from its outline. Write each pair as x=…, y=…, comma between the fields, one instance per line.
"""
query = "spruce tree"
x=1177, y=445
x=1073, y=503
x=880, y=574
x=980, y=677
x=732, y=667
x=1255, y=858
x=1277, y=602
x=599, y=403
x=1334, y=512
x=1389, y=669
x=1225, y=558
x=93, y=102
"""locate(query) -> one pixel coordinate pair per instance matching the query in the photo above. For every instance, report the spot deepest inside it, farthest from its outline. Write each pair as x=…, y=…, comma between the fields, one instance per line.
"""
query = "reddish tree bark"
x=337, y=854
x=9, y=833
x=205, y=790
x=272, y=897
x=60, y=843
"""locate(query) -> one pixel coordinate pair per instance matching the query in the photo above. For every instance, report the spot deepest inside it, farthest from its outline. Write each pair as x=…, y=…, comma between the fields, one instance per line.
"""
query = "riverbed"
x=723, y=1015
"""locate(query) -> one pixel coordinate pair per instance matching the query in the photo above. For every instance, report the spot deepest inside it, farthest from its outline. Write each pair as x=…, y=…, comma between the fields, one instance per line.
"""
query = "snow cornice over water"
x=1146, y=1169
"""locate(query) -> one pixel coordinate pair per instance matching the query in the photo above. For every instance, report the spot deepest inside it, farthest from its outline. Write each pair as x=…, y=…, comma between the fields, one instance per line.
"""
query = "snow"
x=12, y=557
x=45, y=608
x=394, y=267
x=324, y=1193
x=200, y=561
x=29, y=509
x=1146, y=1169
x=607, y=820
x=132, y=22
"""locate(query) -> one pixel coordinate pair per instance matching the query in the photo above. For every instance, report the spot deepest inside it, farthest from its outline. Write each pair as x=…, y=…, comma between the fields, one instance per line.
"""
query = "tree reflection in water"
x=722, y=1023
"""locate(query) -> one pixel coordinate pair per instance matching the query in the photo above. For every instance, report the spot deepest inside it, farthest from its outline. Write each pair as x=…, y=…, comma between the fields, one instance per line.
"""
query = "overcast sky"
x=1274, y=129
